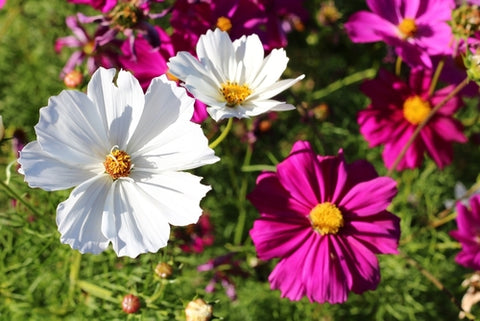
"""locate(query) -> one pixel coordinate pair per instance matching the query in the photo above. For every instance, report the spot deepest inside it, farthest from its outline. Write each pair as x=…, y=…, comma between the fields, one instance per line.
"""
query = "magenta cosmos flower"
x=325, y=220
x=417, y=29
x=468, y=222
x=397, y=108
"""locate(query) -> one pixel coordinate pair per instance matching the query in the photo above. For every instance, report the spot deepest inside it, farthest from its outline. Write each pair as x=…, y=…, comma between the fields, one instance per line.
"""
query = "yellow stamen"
x=234, y=93
x=224, y=24
x=326, y=218
x=89, y=47
x=117, y=163
x=407, y=28
x=415, y=109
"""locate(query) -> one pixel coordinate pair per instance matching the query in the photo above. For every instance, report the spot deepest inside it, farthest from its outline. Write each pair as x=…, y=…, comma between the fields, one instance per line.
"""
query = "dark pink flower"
x=88, y=50
x=325, y=220
x=271, y=20
x=223, y=267
x=195, y=237
x=395, y=111
x=468, y=233
x=145, y=61
x=417, y=29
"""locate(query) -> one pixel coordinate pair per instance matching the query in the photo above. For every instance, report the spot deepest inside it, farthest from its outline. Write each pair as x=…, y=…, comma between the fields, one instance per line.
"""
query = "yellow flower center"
x=126, y=14
x=117, y=163
x=89, y=47
x=415, y=109
x=224, y=24
x=407, y=28
x=234, y=93
x=326, y=218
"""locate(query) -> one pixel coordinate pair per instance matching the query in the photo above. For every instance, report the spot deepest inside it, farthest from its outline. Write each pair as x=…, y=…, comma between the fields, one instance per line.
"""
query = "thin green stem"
x=74, y=272
x=435, y=282
x=158, y=292
x=222, y=136
x=17, y=196
x=242, y=215
x=435, y=77
x=349, y=80
x=424, y=122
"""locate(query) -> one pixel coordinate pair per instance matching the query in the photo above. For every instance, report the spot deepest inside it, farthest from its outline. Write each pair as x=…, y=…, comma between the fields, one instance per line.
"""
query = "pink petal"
x=365, y=26
x=368, y=198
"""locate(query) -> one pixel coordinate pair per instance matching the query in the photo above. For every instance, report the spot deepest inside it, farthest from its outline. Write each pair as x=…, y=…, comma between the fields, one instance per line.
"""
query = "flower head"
x=233, y=78
x=397, y=108
x=325, y=220
x=416, y=29
x=468, y=233
x=123, y=152
x=88, y=49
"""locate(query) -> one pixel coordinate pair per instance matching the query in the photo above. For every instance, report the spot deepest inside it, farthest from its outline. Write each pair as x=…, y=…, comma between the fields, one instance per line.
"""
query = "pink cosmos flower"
x=325, y=220
x=88, y=50
x=191, y=19
x=468, y=222
x=2, y=3
x=417, y=29
x=395, y=111
x=195, y=237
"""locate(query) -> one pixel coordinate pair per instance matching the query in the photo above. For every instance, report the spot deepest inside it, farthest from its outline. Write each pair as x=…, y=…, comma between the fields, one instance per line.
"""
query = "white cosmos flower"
x=233, y=78
x=122, y=151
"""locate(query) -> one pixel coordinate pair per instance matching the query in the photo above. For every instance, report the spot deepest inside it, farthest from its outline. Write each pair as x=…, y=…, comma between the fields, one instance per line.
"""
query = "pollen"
x=224, y=24
x=117, y=163
x=407, y=28
x=126, y=15
x=326, y=218
x=234, y=93
x=416, y=110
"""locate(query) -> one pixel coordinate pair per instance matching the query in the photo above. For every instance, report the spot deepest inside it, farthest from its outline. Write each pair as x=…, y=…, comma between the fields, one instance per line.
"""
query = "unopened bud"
x=130, y=303
x=163, y=270
x=198, y=310
x=73, y=79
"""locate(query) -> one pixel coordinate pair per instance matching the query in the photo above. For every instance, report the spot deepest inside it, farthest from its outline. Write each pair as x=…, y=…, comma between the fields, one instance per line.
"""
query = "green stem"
x=424, y=122
x=435, y=282
x=351, y=79
x=222, y=136
x=74, y=272
x=157, y=294
x=242, y=215
x=16, y=196
x=435, y=77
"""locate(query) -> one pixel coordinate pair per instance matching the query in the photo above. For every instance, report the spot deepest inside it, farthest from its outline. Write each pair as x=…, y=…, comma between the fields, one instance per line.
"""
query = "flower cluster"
x=125, y=146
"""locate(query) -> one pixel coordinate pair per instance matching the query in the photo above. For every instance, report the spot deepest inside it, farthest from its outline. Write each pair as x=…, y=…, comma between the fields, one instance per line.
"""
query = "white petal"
x=122, y=103
x=263, y=106
x=251, y=53
x=50, y=174
x=132, y=221
x=273, y=67
x=222, y=112
x=165, y=103
x=181, y=146
x=177, y=195
x=217, y=48
x=79, y=218
x=274, y=89
x=205, y=90
x=72, y=130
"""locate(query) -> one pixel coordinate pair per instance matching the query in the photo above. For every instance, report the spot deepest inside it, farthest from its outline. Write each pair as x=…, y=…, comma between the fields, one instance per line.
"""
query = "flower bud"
x=198, y=310
x=130, y=303
x=163, y=270
x=73, y=79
